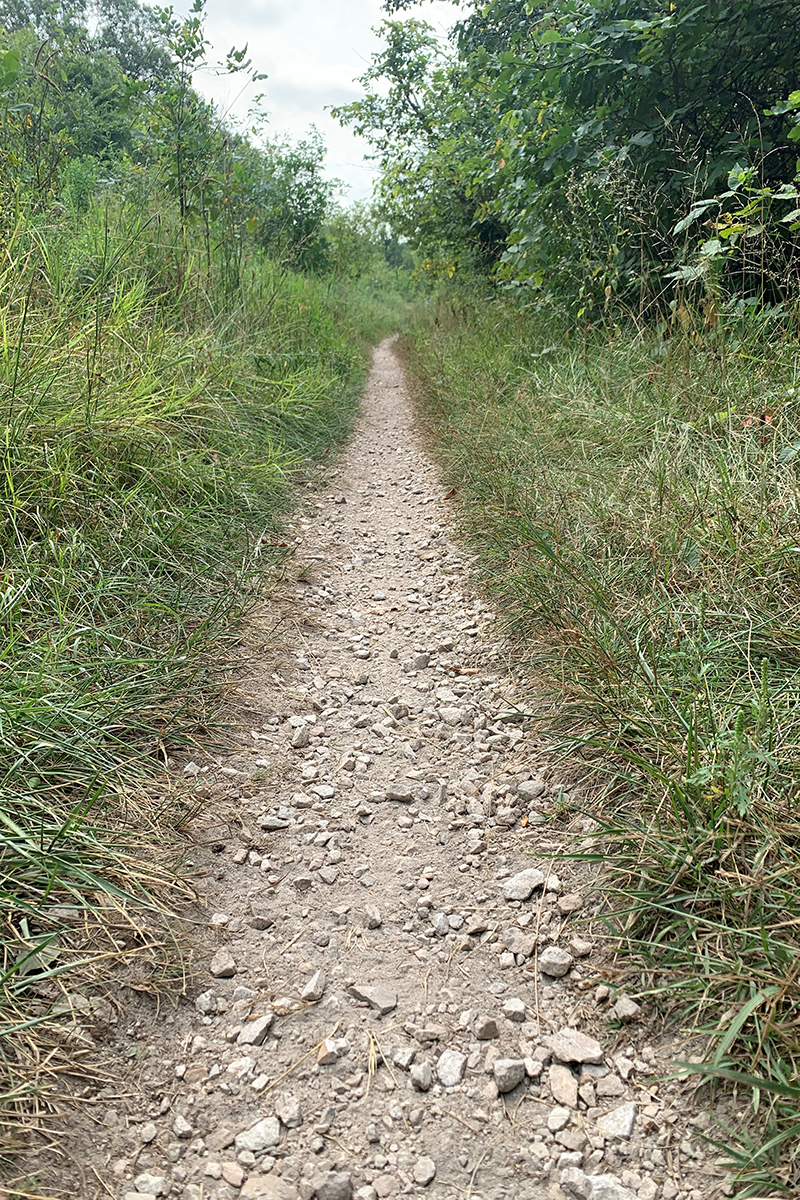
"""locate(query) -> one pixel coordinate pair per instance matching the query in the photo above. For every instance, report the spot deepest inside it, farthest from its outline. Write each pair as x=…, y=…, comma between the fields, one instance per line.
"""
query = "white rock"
x=523, y=884
x=563, y=1086
x=254, y=1032
x=315, y=988
x=206, y=1002
x=593, y=1187
x=424, y=1171
x=555, y=962
x=151, y=1185
x=619, y=1122
x=570, y=1045
x=451, y=1067
x=376, y=995
x=558, y=1119
x=181, y=1128
x=289, y=1110
x=514, y=1010
x=264, y=1135
x=530, y=789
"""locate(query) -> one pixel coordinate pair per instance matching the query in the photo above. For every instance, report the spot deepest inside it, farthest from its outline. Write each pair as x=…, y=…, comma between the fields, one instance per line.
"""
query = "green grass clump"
x=150, y=425
x=635, y=504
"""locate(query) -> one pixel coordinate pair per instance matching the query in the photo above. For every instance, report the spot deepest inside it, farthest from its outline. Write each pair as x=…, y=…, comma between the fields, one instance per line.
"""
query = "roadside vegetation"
x=184, y=322
x=607, y=193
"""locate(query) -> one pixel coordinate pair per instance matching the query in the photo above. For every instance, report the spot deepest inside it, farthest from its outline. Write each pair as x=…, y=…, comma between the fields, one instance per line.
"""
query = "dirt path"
x=391, y=1008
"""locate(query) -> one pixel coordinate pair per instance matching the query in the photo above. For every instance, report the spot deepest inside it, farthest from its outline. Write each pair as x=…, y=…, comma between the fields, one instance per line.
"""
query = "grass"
x=151, y=424
x=634, y=504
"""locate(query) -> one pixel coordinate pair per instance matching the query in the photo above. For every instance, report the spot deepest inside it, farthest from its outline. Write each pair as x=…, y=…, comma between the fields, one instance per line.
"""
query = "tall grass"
x=150, y=425
x=634, y=502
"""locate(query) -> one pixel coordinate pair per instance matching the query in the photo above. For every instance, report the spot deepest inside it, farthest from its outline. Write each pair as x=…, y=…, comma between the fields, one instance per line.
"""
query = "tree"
x=545, y=119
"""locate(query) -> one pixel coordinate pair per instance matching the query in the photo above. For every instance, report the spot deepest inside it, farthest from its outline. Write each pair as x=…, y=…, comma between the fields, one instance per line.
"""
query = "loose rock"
x=522, y=885
x=424, y=1171
x=222, y=965
x=450, y=1068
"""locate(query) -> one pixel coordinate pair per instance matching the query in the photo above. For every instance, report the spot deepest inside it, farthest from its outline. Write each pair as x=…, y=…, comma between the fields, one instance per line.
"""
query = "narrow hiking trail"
x=400, y=992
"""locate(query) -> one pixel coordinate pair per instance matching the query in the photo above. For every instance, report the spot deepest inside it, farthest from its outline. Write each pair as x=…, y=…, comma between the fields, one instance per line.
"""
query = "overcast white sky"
x=313, y=51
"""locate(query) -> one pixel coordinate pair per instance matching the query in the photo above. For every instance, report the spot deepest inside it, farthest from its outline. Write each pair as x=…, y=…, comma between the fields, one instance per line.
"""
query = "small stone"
x=272, y=823
x=264, y=1135
x=451, y=1067
x=315, y=988
x=327, y=1054
x=619, y=1122
x=254, y=1032
x=222, y=965
x=289, y=1110
x=514, y=1010
x=626, y=1009
x=508, y=1073
x=610, y=1086
x=262, y=918
x=301, y=737
x=148, y=1133
x=206, y=1003
x=268, y=1187
x=570, y=903
x=558, y=1119
x=580, y=947
x=376, y=996
x=403, y=1057
x=563, y=1086
x=452, y=716
x=486, y=1029
x=424, y=1171
x=570, y=1045
x=151, y=1185
x=441, y=926
x=530, y=790
x=522, y=885
x=333, y=1185
x=422, y=1076
x=555, y=962
x=328, y=875
x=593, y=1187
x=181, y=1128
x=400, y=792
x=233, y=1174
x=372, y=916
x=648, y=1190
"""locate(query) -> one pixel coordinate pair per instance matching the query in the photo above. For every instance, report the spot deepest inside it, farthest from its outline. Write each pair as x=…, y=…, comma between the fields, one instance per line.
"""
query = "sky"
x=313, y=52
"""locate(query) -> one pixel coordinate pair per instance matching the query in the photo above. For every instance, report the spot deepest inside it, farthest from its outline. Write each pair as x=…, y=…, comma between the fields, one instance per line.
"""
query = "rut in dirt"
x=402, y=992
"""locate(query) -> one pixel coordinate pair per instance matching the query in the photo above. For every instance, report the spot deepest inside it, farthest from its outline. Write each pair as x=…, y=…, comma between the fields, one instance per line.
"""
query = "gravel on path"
x=399, y=994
